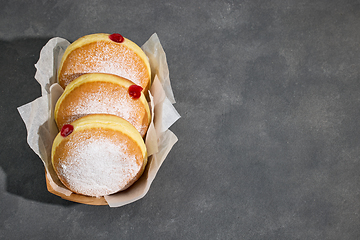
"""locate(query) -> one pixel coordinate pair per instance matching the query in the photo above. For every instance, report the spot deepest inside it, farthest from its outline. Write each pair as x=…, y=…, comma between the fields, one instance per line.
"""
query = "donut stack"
x=102, y=115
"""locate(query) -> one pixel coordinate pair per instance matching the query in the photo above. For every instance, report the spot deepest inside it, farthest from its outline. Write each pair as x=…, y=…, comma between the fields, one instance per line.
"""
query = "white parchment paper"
x=41, y=128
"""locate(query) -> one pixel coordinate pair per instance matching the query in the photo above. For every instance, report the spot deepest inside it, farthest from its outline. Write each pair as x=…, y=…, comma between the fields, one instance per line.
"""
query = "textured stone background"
x=269, y=137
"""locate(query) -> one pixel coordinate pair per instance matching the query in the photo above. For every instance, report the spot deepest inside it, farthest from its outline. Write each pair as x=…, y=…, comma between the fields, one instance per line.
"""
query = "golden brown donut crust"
x=97, y=53
x=98, y=158
x=102, y=94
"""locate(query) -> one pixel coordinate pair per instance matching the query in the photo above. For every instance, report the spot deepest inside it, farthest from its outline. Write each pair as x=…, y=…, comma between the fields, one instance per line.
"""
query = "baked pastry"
x=105, y=53
x=98, y=155
x=99, y=93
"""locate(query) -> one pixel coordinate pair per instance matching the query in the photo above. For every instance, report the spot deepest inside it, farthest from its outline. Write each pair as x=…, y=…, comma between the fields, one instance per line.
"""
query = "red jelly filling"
x=116, y=37
x=135, y=91
x=66, y=130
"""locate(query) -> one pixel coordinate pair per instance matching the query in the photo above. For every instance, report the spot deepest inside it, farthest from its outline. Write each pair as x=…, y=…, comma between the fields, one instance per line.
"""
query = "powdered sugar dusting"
x=103, y=57
x=107, y=99
x=98, y=166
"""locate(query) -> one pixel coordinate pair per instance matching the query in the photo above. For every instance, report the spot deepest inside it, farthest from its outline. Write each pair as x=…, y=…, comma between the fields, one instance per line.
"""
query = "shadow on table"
x=25, y=174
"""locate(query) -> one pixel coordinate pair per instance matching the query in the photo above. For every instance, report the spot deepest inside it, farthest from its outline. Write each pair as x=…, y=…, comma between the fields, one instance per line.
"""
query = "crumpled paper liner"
x=41, y=127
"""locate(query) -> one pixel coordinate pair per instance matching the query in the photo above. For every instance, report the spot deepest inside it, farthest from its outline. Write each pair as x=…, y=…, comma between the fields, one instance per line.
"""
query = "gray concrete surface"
x=269, y=137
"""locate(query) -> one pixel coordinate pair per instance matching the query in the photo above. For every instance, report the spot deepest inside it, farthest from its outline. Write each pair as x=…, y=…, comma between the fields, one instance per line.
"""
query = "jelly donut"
x=105, y=53
x=98, y=155
x=100, y=93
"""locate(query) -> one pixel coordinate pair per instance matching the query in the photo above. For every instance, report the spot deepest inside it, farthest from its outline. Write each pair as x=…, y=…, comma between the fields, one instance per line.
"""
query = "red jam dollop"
x=116, y=37
x=135, y=91
x=66, y=130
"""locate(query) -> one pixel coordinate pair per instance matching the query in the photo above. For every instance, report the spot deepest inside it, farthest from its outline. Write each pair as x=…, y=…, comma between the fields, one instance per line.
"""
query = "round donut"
x=98, y=155
x=100, y=93
x=105, y=53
